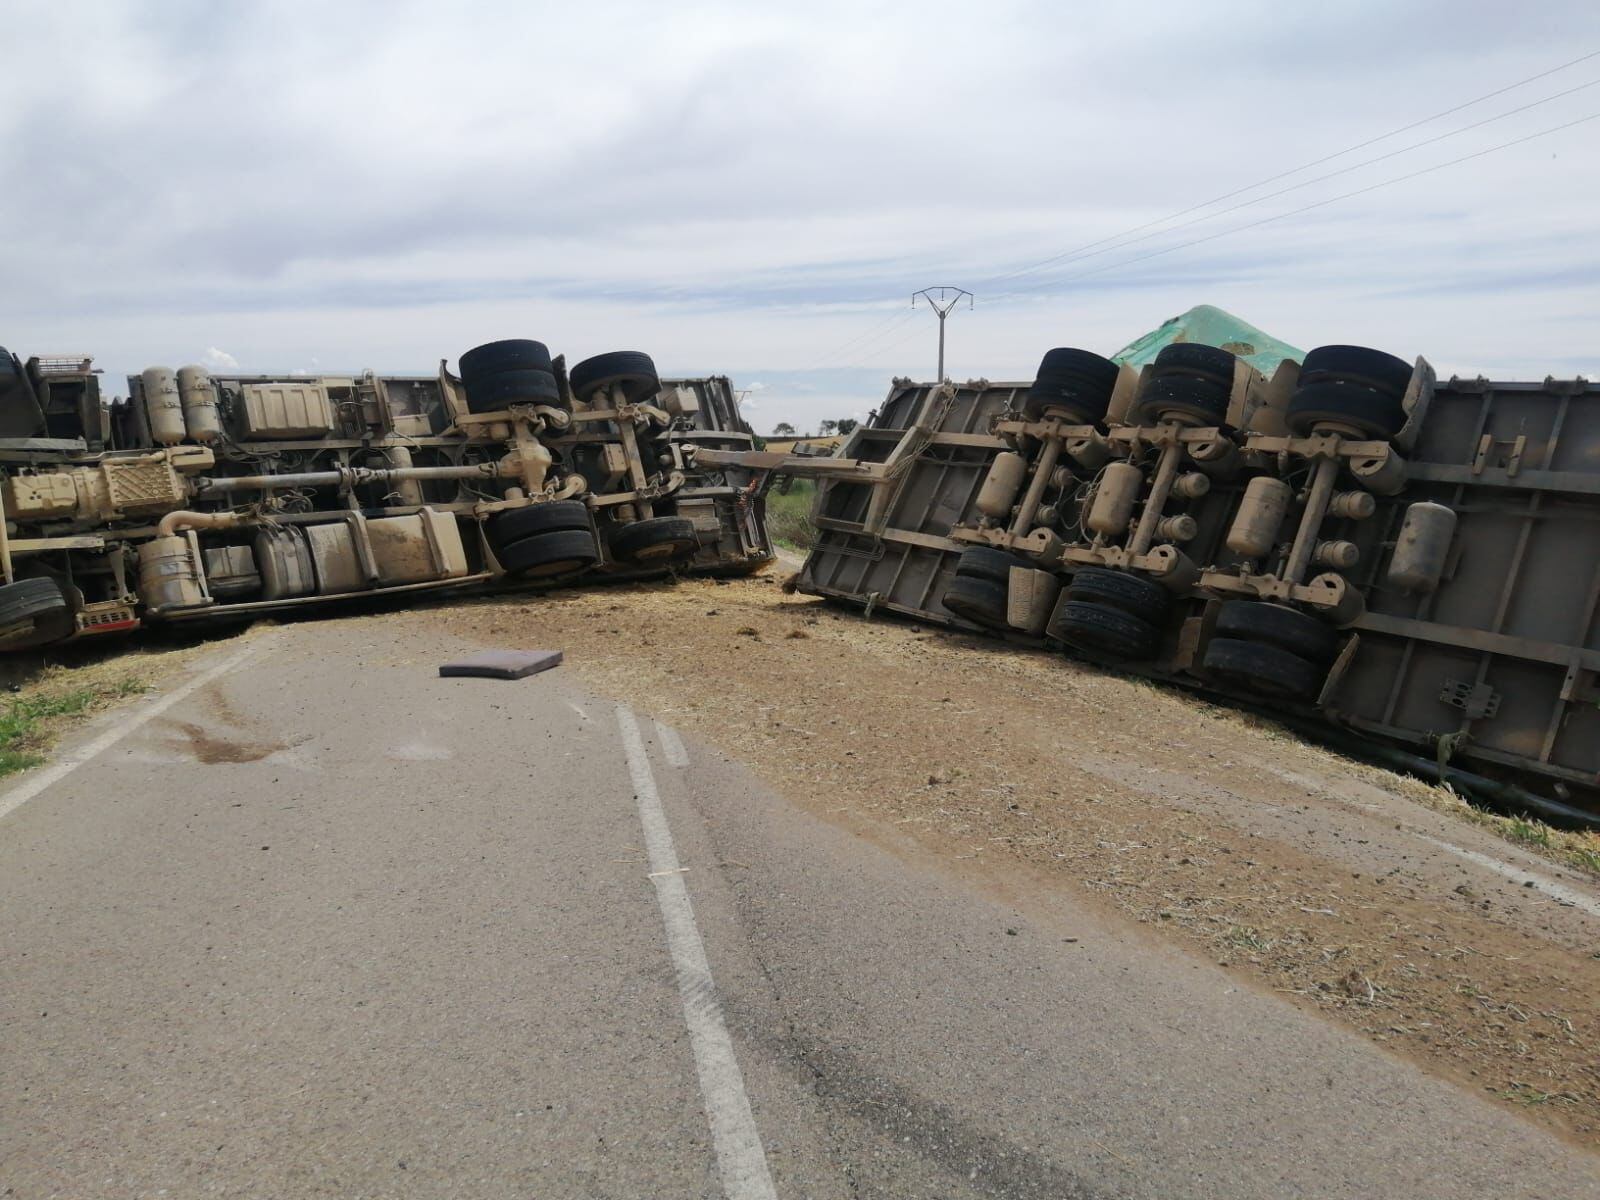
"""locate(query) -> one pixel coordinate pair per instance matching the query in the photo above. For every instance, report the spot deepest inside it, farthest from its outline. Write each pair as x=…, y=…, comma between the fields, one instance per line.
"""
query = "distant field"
x=789, y=515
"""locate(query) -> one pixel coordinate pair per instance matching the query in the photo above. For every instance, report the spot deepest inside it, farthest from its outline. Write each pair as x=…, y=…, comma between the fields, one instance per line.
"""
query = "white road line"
x=677, y=754
x=741, y=1161
x=32, y=785
x=1544, y=883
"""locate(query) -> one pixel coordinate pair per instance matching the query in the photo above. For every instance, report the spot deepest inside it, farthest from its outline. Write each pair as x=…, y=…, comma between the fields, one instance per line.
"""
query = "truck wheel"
x=1092, y=368
x=1381, y=372
x=636, y=372
x=981, y=601
x=1191, y=358
x=33, y=612
x=1262, y=669
x=491, y=393
x=1184, y=395
x=1106, y=632
x=1363, y=408
x=1278, y=625
x=559, y=552
x=513, y=524
x=513, y=354
x=657, y=540
x=1132, y=594
x=1076, y=383
x=984, y=562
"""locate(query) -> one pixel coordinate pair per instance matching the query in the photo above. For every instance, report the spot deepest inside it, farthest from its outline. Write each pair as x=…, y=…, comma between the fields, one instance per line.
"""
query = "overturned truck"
x=1412, y=562
x=207, y=496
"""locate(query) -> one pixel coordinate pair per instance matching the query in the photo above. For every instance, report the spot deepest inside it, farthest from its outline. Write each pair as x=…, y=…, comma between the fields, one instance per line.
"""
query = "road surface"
x=316, y=922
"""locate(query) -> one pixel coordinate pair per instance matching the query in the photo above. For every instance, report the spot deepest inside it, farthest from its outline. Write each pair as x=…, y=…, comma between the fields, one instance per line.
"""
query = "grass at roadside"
x=29, y=724
x=789, y=515
x=1576, y=848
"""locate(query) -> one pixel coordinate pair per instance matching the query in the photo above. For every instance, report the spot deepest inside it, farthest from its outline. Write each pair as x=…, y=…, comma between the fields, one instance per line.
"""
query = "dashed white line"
x=32, y=785
x=741, y=1159
x=672, y=745
x=1544, y=883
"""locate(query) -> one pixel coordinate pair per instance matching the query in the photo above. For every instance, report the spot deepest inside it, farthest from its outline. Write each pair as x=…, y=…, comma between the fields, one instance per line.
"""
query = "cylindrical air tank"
x=1255, y=527
x=1422, y=547
x=1000, y=486
x=162, y=406
x=1115, y=495
x=196, y=393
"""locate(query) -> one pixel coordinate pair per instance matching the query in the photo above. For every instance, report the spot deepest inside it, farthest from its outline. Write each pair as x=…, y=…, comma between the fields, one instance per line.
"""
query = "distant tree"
x=783, y=429
x=826, y=428
x=848, y=425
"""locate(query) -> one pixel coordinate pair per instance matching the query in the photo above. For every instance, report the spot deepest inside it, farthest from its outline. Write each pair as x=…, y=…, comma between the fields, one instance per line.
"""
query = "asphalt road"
x=320, y=923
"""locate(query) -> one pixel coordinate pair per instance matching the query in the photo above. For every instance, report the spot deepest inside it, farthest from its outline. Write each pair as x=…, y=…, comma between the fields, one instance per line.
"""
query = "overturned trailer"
x=1413, y=562
x=208, y=496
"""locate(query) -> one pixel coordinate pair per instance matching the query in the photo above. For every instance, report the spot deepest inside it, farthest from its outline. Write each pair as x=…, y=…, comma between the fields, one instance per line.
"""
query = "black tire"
x=1107, y=632
x=1205, y=400
x=1086, y=364
x=33, y=612
x=491, y=393
x=1191, y=358
x=1132, y=594
x=513, y=354
x=1372, y=413
x=1263, y=670
x=1278, y=625
x=981, y=601
x=636, y=372
x=8, y=371
x=657, y=540
x=559, y=552
x=1065, y=398
x=983, y=562
x=514, y=524
x=1075, y=383
x=1357, y=364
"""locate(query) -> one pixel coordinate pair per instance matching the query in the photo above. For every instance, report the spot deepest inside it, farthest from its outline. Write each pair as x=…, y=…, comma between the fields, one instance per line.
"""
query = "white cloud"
x=760, y=191
x=219, y=360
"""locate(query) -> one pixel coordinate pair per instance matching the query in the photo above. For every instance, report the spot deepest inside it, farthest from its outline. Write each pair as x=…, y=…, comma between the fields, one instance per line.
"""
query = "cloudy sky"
x=757, y=190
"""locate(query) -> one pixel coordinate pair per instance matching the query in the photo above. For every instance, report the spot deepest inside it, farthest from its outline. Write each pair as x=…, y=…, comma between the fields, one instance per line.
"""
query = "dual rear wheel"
x=1270, y=650
x=1111, y=614
x=515, y=371
x=557, y=539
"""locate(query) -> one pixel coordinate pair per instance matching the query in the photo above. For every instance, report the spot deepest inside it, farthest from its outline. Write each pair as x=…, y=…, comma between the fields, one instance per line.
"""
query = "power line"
x=1305, y=166
x=877, y=345
x=1309, y=207
x=896, y=317
x=872, y=341
x=1295, y=187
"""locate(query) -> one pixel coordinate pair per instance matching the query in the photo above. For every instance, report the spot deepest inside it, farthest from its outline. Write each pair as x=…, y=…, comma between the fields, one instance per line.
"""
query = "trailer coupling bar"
x=800, y=465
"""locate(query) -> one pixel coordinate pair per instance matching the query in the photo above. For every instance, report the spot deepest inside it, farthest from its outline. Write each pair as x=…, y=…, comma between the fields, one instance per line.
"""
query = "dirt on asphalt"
x=1333, y=883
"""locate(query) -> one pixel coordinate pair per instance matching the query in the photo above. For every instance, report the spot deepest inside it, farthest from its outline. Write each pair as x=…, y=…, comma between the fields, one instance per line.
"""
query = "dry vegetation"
x=47, y=696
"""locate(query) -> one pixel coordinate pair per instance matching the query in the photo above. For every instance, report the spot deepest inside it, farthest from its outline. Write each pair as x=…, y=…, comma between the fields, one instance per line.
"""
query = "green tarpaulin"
x=1210, y=326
